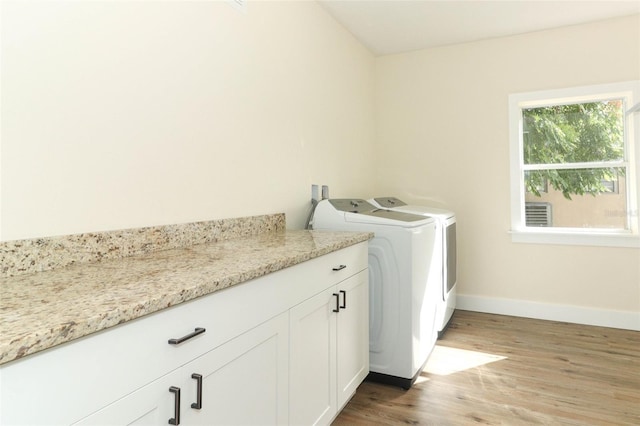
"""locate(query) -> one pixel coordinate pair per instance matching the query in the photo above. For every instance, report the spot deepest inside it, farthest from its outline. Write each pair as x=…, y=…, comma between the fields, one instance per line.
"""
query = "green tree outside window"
x=568, y=134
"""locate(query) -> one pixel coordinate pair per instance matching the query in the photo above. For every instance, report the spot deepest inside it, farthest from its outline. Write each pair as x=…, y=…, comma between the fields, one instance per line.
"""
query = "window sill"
x=602, y=239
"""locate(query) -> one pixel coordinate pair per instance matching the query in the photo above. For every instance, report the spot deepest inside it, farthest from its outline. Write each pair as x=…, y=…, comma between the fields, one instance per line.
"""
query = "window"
x=573, y=170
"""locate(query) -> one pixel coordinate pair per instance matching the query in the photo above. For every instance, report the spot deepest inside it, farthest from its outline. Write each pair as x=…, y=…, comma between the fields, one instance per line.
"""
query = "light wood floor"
x=552, y=374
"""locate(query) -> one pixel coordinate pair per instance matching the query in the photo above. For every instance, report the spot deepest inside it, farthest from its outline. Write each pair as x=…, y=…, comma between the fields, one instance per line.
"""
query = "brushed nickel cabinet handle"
x=187, y=337
x=176, y=406
x=344, y=299
x=198, y=404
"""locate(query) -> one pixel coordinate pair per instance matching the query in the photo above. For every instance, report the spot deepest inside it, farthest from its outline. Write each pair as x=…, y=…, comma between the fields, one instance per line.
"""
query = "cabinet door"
x=312, y=371
x=352, y=335
x=244, y=382
x=153, y=404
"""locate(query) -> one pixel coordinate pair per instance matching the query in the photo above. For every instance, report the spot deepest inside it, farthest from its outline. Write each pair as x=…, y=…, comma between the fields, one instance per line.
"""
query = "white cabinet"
x=242, y=382
x=313, y=361
x=149, y=405
x=257, y=336
x=353, y=337
x=329, y=350
x=245, y=381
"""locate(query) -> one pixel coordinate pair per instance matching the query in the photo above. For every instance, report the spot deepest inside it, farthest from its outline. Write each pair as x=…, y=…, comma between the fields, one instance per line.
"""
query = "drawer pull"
x=187, y=337
x=176, y=406
x=344, y=299
x=337, y=309
x=339, y=268
x=198, y=404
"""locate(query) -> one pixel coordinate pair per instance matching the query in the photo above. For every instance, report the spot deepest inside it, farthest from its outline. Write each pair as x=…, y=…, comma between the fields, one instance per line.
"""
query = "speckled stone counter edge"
x=43, y=254
x=44, y=309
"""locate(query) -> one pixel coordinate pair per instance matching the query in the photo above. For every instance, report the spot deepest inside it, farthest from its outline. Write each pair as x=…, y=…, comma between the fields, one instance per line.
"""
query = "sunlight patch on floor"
x=421, y=378
x=445, y=360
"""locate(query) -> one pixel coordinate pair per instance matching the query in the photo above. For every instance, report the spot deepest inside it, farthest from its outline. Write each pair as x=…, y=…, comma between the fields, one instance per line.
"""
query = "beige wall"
x=128, y=114
x=123, y=114
x=442, y=137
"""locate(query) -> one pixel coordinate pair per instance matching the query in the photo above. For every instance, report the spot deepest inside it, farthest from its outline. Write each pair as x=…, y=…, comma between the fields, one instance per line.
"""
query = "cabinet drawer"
x=342, y=264
x=328, y=270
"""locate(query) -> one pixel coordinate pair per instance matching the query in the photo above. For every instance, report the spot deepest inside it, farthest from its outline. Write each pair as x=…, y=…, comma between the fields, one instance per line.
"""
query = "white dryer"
x=445, y=254
x=403, y=288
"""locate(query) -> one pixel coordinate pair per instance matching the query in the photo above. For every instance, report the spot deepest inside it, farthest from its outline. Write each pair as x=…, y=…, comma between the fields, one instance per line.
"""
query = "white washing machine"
x=445, y=254
x=403, y=288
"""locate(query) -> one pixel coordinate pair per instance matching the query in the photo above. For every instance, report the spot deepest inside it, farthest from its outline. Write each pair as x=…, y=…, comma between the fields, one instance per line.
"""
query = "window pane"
x=575, y=133
x=599, y=207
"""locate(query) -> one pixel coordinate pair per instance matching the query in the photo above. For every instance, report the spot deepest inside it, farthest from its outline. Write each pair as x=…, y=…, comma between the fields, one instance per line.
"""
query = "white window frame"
x=630, y=93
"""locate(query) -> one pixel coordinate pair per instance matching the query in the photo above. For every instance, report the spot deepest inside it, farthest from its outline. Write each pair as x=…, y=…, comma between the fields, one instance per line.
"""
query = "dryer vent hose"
x=309, y=224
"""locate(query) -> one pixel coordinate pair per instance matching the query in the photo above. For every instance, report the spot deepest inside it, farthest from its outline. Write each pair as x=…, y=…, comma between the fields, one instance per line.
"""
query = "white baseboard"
x=627, y=320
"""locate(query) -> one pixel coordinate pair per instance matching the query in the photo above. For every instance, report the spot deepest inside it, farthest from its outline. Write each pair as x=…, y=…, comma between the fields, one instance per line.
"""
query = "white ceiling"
x=394, y=26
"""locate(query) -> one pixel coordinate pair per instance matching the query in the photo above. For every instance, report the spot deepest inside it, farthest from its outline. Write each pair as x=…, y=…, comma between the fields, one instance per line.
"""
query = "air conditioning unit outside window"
x=538, y=214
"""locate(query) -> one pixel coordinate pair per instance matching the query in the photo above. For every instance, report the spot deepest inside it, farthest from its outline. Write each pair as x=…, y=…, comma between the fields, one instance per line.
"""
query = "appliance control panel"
x=353, y=205
x=389, y=202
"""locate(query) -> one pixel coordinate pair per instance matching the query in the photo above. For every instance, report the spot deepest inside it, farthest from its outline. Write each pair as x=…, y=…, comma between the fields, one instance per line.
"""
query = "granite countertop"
x=43, y=309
